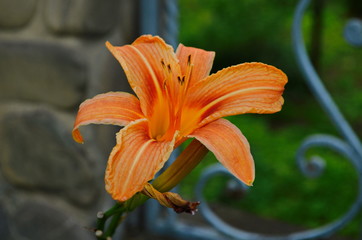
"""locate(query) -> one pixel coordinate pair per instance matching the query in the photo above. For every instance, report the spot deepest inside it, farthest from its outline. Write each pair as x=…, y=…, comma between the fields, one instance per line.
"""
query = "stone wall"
x=52, y=57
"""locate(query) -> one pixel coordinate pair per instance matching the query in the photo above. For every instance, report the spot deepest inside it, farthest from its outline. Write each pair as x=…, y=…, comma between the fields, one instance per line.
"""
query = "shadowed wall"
x=52, y=57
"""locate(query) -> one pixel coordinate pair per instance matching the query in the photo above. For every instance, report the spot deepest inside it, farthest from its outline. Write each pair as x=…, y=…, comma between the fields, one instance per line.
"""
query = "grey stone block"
x=41, y=71
x=4, y=224
x=39, y=220
x=16, y=13
x=38, y=153
x=81, y=16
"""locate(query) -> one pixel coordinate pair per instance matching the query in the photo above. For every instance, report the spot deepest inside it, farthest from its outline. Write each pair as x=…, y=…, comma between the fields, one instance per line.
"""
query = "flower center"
x=168, y=108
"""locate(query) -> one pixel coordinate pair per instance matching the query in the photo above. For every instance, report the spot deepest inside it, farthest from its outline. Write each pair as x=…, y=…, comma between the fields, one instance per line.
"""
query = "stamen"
x=189, y=60
x=164, y=84
x=167, y=73
x=190, y=72
x=186, y=78
x=181, y=80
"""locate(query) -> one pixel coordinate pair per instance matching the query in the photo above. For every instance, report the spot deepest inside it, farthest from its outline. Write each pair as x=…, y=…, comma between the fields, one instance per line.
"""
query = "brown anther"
x=181, y=80
x=164, y=84
x=163, y=63
x=189, y=60
x=169, y=68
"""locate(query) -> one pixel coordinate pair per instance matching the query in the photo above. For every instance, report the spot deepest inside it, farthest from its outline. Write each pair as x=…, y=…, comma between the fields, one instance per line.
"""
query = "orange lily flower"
x=178, y=99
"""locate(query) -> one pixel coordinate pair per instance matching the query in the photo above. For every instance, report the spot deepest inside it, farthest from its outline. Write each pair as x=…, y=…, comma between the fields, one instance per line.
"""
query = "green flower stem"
x=137, y=200
x=117, y=209
x=179, y=169
x=116, y=220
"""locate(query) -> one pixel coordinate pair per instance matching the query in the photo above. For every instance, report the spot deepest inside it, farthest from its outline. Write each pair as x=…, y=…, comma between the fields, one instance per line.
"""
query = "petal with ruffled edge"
x=134, y=160
x=148, y=62
x=230, y=147
x=116, y=108
x=200, y=60
x=244, y=88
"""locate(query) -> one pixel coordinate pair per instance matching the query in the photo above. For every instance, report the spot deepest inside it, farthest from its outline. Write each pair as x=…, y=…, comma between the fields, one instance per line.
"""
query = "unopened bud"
x=99, y=233
x=100, y=214
x=171, y=200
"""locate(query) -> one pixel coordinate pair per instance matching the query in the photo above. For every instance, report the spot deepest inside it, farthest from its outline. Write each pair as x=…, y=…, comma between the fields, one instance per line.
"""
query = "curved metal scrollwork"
x=350, y=148
x=353, y=32
x=316, y=85
x=310, y=169
x=315, y=165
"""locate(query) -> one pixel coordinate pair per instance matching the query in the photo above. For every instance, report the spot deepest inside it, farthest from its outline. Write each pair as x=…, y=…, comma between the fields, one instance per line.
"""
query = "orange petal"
x=117, y=108
x=200, y=59
x=230, y=147
x=145, y=63
x=134, y=160
x=244, y=88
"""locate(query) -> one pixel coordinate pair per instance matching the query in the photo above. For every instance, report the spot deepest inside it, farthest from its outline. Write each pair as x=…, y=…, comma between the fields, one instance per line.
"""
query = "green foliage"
x=259, y=30
x=280, y=190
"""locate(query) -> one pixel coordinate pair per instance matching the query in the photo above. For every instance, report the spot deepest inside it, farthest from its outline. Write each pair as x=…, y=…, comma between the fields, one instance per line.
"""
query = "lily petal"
x=134, y=160
x=117, y=108
x=230, y=147
x=200, y=59
x=244, y=88
x=147, y=64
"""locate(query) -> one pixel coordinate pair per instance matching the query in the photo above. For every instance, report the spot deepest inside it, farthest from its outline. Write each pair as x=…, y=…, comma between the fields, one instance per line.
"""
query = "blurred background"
x=258, y=30
x=52, y=57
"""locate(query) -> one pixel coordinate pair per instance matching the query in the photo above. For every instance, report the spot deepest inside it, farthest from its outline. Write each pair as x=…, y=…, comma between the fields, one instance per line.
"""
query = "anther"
x=189, y=60
x=181, y=80
x=163, y=64
x=169, y=68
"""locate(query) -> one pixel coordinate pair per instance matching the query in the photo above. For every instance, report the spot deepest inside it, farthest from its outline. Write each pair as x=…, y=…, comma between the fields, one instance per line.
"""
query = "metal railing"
x=349, y=146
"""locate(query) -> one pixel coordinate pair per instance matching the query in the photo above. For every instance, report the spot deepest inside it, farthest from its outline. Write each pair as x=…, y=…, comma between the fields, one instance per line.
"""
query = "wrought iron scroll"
x=349, y=147
x=353, y=32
